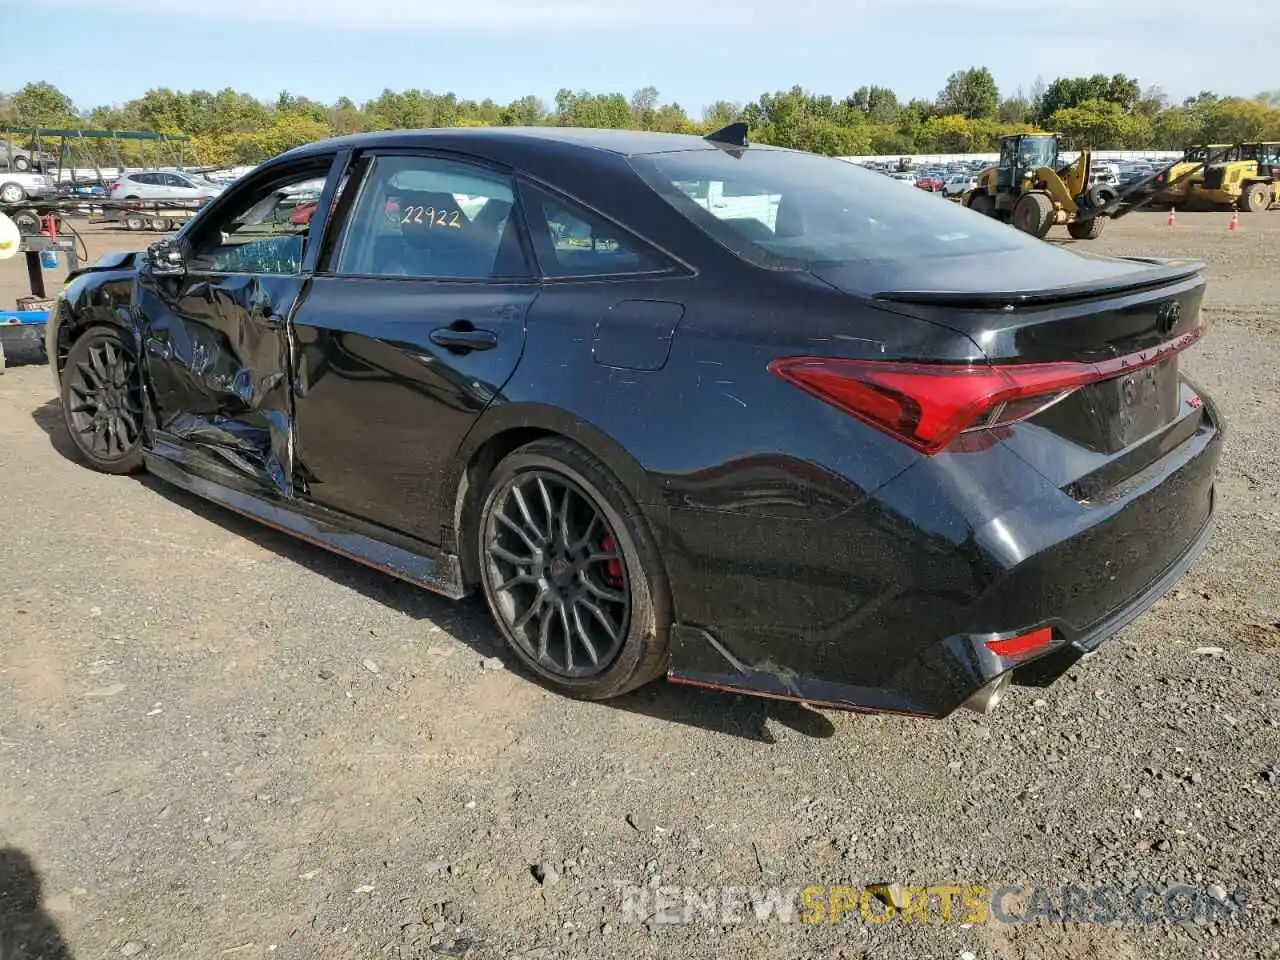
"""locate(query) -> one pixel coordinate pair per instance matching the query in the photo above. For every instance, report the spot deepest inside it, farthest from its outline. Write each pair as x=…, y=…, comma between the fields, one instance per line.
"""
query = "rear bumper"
x=938, y=683
x=1085, y=571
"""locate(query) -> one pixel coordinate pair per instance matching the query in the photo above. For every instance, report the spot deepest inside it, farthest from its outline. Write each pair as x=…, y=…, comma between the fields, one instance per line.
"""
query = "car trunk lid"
x=1126, y=320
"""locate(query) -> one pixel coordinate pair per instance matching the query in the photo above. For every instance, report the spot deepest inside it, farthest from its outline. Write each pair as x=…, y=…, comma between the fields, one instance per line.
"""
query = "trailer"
x=158, y=216
x=28, y=321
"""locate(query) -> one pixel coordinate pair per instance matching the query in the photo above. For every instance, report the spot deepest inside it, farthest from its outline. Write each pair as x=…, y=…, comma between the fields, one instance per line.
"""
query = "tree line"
x=968, y=115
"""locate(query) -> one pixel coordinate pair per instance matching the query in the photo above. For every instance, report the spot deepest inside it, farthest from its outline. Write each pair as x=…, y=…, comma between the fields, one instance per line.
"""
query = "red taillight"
x=929, y=405
x=1019, y=647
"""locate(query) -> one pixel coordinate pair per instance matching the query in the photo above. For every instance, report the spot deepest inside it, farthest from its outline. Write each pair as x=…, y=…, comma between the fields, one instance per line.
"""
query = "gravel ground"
x=218, y=742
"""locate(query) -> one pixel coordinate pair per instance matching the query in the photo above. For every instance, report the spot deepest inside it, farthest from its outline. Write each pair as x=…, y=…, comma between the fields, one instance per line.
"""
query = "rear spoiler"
x=1163, y=273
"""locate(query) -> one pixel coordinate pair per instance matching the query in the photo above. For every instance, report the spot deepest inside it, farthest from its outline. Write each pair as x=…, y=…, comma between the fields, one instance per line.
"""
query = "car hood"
x=1023, y=275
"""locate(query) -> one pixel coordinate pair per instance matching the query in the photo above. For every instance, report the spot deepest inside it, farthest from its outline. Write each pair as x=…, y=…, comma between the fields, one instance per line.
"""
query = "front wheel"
x=1090, y=229
x=12, y=193
x=102, y=401
x=1033, y=214
x=571, y=572
x=1257, y=197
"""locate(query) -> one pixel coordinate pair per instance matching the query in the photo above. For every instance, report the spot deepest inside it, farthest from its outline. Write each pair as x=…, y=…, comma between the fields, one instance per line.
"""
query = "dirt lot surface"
x=218, y=742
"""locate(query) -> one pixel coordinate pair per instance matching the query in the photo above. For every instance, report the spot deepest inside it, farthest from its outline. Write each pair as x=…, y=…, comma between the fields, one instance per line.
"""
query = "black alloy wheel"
x=102, y=402
x=571, y=573
x=555, y=568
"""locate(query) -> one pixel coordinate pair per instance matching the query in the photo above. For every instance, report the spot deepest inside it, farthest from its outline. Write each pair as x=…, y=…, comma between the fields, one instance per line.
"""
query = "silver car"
x=17, y=187
x=163, y=185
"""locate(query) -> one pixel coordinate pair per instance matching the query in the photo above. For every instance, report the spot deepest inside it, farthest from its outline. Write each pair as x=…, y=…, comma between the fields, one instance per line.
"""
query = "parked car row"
x=953, y=179
x=948, y=179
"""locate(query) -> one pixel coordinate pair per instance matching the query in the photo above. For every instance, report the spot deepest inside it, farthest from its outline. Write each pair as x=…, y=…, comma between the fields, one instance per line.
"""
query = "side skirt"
x=438, y=572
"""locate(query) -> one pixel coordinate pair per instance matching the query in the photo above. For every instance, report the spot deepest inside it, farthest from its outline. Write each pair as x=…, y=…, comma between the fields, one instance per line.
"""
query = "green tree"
x=584, y=109
x=877, y=104
x=1100, y=124
x=1176, y=129
x=1235, y=119
x=42, y=105
x=1066, y=92
x=720, y=114
x=644, y=107
x=970, y=93
x=1017, y=109
x=345, y=118
x=525, y=112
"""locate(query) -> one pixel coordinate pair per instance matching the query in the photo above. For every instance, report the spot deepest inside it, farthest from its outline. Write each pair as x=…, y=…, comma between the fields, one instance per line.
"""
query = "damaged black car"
x=746, y=417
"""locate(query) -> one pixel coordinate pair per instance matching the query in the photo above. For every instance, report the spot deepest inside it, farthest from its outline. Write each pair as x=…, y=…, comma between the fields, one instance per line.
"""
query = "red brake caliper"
x=612, y=568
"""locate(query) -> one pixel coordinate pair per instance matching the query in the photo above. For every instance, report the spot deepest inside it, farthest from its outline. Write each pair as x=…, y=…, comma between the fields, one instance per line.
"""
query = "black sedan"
x=751, y=418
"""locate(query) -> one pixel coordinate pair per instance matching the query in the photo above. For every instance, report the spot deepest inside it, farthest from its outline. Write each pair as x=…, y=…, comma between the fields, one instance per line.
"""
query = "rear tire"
x=135, y=222
x=159, y=224
x=1033, y=214
x=571, y=572
x=1086, y=229
x=1256, y=198
x=102, y=401
x=12, y=193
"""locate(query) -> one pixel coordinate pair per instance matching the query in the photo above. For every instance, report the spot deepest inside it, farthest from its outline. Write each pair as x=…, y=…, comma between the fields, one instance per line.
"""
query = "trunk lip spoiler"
x=1163, y=273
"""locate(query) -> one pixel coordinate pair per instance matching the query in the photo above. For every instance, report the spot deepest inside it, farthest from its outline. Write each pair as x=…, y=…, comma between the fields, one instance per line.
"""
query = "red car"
x=932, y=184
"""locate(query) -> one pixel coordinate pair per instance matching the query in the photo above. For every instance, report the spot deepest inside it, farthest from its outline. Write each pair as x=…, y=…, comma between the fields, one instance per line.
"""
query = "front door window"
x=265, y=231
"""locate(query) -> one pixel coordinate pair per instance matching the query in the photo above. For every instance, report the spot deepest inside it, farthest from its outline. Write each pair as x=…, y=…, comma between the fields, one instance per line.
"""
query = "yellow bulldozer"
x=1031, y=189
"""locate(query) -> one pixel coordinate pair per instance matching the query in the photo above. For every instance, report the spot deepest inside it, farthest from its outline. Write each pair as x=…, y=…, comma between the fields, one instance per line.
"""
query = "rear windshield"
x=788, y=210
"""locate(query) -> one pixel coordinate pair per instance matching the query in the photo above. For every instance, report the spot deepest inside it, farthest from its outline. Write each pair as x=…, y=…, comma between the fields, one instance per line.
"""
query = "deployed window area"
x=433, y=218
x=791, y=210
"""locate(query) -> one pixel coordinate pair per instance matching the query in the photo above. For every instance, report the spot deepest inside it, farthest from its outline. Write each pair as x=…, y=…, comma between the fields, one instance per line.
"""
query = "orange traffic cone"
x=1173, y=218
x=1235, y=220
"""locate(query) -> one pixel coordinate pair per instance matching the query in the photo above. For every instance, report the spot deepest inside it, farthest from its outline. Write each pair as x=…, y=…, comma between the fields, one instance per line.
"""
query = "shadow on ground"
x=27, y=932
x=468, y=620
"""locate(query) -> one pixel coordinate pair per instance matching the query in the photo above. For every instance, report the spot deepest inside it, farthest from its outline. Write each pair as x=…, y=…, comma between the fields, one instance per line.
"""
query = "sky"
x=693, y=51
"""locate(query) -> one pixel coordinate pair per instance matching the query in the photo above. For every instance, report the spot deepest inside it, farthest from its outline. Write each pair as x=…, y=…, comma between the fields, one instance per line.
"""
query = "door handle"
x=461, y=337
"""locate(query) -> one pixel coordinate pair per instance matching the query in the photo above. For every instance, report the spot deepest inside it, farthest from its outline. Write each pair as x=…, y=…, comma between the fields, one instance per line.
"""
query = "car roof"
x=540, y=141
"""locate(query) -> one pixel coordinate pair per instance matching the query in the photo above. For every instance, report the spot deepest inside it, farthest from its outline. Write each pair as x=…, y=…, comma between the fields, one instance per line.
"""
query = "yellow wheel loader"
x=1187, y=175
x=1033, y=191
x=1246, y=179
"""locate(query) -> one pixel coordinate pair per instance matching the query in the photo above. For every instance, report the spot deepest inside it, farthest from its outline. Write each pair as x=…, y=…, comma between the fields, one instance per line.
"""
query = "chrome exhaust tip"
x=988, y=698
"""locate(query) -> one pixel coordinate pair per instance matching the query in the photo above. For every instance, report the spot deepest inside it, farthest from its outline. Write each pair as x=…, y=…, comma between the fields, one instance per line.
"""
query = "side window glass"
x=573, y=242
x=432, y=218
x=265, y=231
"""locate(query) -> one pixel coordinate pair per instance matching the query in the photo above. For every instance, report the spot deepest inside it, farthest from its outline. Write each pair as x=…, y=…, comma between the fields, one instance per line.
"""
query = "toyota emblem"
x=1167, y=316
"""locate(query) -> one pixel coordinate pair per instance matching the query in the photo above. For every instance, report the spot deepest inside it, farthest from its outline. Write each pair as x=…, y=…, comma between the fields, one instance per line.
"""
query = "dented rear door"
x=216, y=337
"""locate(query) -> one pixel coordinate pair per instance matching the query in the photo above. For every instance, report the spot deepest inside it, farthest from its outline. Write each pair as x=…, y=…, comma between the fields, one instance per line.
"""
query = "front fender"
x=101, y=295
